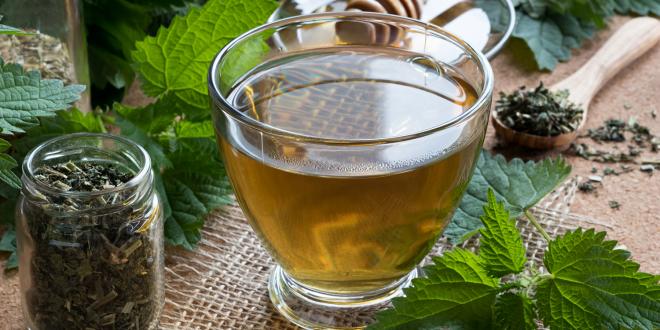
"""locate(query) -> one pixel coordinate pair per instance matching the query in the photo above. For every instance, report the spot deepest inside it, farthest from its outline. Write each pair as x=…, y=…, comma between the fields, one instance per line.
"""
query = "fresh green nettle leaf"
x=551, y=37
x=639, y=7
x=24, y=97
x=456, y=293
x=518, y=184
x=596, y=286
x=8, y=241
x=176, y=129
x=65, y=122
x=4, y=145
x=515, y=311
x=5, y=29
x=7, y=175
x=498, y=14
x=115, y=26
x=598, y=11
x=249, y=54
x=501, y=245
x=7, y=164
x=176, y=60
x=552, y=28
x=8, y=200
x=153, y=119
x=109, y=68
x=189, y=174
x=8, y=244
x=591, y=285
x=195, y=185
x=203, y=129
x=133, y=132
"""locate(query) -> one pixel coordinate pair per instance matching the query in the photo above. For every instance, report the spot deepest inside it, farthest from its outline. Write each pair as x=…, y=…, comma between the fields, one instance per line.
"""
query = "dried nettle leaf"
x=96, y=269
x=64, y=122
x=538, y=111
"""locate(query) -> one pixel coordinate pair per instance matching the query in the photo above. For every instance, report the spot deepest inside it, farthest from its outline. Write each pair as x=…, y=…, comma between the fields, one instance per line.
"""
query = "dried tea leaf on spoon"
x=538, y=111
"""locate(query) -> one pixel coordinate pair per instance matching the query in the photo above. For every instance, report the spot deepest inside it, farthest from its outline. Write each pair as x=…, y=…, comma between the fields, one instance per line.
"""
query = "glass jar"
x=90, y=259
x=56, y=46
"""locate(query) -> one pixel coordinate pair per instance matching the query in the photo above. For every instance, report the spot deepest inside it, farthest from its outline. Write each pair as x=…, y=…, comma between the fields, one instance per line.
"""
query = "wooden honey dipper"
x=407, y=8
x=379, y=33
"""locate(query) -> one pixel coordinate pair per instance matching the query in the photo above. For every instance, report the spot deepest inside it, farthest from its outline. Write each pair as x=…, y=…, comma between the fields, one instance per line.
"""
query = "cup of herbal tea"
x=348, y=151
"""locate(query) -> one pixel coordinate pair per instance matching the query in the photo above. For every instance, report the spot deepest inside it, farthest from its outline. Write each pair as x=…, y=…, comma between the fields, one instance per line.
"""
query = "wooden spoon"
x=626, y=45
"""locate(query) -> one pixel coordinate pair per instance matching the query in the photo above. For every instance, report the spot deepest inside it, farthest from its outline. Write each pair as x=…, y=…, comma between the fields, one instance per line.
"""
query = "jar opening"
x=87, y=148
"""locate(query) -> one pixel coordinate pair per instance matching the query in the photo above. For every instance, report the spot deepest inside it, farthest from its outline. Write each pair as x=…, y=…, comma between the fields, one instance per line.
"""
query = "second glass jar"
x=90, y=259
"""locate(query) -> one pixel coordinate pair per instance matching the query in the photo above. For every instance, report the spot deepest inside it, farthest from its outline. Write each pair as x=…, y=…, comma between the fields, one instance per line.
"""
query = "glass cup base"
x=312, y=309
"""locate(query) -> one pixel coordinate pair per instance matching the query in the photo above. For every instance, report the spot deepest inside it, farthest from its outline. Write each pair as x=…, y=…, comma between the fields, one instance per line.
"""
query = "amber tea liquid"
x=355, y=221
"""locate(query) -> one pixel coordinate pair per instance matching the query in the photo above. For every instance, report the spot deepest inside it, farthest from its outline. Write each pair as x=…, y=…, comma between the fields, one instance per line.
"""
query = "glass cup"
x=349, y=139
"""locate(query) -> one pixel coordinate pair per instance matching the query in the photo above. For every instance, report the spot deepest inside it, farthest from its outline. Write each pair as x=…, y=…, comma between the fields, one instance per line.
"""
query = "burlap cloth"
x=222, y=284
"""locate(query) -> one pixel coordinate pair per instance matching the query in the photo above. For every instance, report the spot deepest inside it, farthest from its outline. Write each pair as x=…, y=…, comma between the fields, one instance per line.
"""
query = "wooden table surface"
x=634, y=92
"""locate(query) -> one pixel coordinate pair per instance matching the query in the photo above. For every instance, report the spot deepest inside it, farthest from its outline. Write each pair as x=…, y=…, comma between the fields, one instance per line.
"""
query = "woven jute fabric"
x=223, y=283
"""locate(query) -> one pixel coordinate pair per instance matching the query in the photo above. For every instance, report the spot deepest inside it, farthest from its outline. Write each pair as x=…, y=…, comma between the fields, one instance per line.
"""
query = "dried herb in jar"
x=538, y=111
x=92, y=270
x=39, y=51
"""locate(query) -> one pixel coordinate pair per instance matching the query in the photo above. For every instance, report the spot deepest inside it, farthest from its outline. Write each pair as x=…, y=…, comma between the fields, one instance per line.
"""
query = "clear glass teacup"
x=349, y=139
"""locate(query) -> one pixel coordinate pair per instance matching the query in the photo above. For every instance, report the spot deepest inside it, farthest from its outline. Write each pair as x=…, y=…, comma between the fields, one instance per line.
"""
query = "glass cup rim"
x=479, y=57
x=28, y=174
